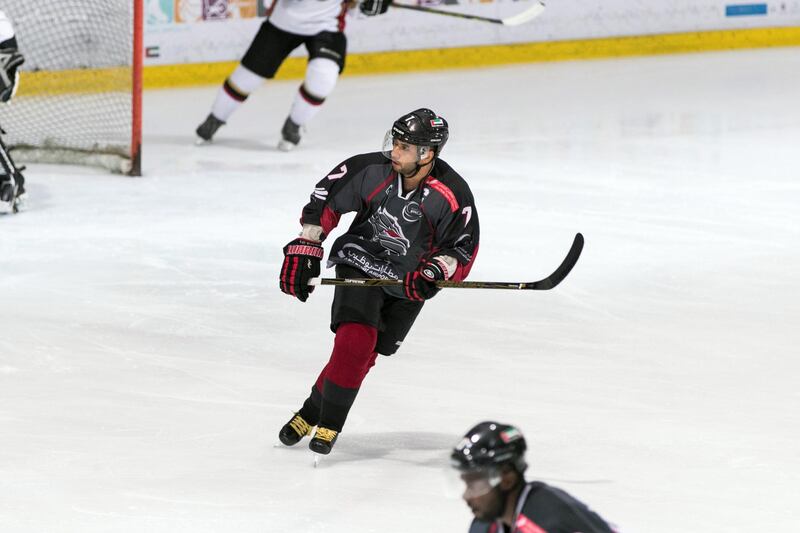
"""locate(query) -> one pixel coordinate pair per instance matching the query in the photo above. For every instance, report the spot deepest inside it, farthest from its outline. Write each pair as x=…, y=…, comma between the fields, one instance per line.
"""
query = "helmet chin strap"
x=417, y=167
x=506, y=494
x=413, y=172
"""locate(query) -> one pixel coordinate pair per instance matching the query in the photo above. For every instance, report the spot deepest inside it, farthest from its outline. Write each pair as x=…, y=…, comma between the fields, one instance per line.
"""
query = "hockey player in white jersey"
x=12, y=183
x=317, y=24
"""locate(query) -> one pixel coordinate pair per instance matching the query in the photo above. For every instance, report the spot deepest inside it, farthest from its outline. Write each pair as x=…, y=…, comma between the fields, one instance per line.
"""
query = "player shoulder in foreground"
x=490, y=460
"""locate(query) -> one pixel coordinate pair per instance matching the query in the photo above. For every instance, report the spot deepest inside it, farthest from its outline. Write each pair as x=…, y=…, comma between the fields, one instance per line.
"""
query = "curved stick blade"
x=529, y=14
x=564, y=268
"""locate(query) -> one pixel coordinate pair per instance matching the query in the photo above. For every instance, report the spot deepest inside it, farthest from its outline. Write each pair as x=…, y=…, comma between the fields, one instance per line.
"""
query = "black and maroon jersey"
x=545, y=509
x=393, y=232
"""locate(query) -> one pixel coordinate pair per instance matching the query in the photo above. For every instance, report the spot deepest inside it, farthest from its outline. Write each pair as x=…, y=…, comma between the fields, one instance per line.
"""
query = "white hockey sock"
x=321, y=76
x=234, y=91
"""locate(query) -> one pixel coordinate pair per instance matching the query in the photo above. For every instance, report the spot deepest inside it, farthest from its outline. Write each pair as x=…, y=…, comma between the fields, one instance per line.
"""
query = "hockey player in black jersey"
x=490, y=459
x=416, y=221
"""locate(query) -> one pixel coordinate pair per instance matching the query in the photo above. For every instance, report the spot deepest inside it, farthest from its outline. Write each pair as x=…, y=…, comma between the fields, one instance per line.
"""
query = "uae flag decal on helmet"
x=509, y=435
x=437, y=122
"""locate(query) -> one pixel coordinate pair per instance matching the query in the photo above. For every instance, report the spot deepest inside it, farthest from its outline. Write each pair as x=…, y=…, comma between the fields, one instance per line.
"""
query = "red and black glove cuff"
x=301, y=263
x=418, y=288
x=304, y=247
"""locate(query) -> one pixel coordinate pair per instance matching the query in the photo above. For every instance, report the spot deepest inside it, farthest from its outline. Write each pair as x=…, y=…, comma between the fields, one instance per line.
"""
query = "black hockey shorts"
x=271, y=46
x=392, y=317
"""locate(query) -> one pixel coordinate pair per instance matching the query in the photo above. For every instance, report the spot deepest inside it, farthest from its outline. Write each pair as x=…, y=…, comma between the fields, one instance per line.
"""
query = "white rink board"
x=226, y=40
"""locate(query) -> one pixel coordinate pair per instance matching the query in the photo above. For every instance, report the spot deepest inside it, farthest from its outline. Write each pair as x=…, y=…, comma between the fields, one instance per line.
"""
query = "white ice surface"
x=148, y=359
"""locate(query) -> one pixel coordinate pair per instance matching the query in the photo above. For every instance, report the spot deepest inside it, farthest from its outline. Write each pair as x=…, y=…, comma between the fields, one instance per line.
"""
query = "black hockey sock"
x=336, y=404
x=333, y=416
x=311, y=407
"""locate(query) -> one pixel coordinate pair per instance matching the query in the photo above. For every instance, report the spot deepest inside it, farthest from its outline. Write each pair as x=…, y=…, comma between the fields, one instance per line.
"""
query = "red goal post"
x=80, y=94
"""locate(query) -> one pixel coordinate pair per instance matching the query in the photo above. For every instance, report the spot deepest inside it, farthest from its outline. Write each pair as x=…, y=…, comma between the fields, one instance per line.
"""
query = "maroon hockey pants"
x=338, y=383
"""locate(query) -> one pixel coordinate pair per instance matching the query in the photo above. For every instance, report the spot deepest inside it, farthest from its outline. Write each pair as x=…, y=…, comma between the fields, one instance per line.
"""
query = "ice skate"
x=208, y=128
x=21, y=200
x=294, y=430
x=290, y=136
x=323, y=440
x=7, y=196
x=12, y=196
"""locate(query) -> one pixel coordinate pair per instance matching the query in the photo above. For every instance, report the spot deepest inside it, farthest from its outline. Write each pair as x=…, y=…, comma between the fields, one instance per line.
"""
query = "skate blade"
x=11, y=207
x=283, y=446
x=317, y=459
x=21, y=202
x=286, y=146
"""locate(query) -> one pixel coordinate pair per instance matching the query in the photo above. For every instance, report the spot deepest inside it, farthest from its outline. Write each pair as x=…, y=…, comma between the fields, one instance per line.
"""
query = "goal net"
x=79, y=97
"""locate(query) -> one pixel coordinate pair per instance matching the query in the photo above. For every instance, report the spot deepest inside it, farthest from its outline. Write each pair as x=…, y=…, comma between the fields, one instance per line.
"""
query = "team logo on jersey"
x=387, y=231
x=412, y=212
x=356, y=255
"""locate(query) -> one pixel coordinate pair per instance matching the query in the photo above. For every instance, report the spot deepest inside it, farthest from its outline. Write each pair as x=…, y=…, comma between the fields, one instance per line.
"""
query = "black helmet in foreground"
x=490, y=445
x=422, y=127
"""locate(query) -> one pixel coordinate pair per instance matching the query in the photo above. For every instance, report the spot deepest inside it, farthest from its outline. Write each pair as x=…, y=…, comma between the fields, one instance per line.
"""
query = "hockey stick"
x=542, y=285
x=515, y=20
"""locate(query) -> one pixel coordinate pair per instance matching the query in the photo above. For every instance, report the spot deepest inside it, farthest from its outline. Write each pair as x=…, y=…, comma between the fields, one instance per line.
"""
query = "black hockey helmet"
x=422, y=127
x=490, y=445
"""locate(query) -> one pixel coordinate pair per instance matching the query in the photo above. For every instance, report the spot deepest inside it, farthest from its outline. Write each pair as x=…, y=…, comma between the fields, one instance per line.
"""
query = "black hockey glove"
x=300, y=263
x=374, y=7
x=421, y=284
x=10, y=60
